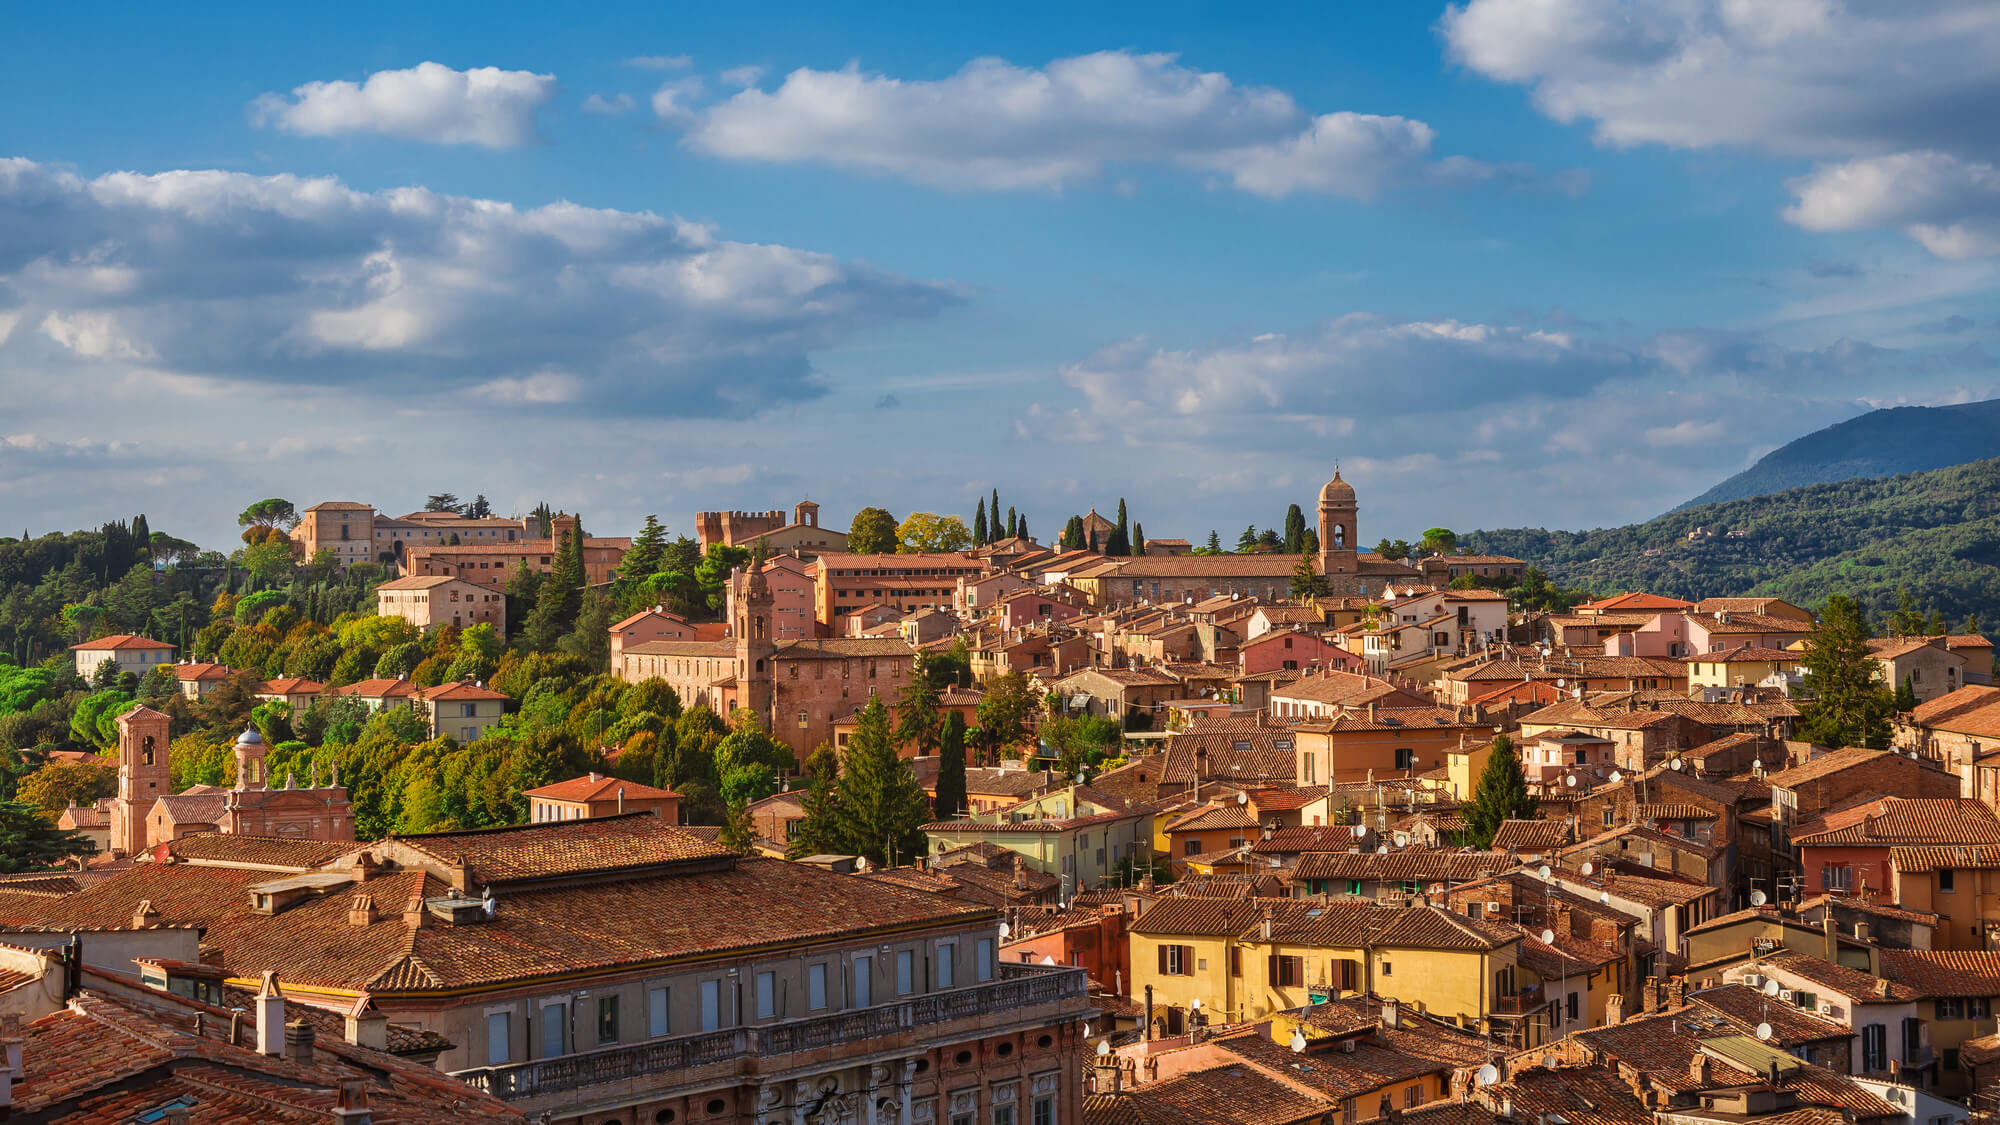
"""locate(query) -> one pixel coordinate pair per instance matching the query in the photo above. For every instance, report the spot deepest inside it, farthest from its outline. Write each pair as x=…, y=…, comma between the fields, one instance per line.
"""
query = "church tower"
x=1339, y=556
x=250, y=761
x=754, y=627
x=143, y=776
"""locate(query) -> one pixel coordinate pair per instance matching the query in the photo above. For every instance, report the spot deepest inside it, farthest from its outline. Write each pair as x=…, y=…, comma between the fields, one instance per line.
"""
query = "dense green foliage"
x=1849, y=706
x=1935, y=534
x=1500, y=795
x=28, y=840
x=1880, y=443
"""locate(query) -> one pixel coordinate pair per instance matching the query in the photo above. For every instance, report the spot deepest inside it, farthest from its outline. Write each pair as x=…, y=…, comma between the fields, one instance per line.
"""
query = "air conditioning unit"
x=1788, y=996
x=1347, y=1046
x=1826, y=1008
x=1493, y=907
x=1754, y=980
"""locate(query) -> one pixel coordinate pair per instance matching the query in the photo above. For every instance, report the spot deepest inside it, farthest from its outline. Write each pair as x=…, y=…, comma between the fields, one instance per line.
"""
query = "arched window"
x=146, y=751
x=1340, y=535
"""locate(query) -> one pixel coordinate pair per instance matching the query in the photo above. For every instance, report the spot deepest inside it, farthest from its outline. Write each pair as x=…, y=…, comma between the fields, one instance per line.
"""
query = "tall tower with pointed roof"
x=1339, y=556
x=754, y=644
x=144, y=775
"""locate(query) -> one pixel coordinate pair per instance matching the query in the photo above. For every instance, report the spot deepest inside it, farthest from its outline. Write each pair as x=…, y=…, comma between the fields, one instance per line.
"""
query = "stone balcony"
x=1023, y=996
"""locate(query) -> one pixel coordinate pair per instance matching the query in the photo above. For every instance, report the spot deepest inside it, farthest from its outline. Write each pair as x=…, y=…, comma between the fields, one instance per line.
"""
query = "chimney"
x=145, y=915
x=1270, y=921
x=351, y=1107
x=269, y=1009
x=1882, y=987
x=621, y=800
x=361, y=911
x=413, y=912
x=1371, y=710
x=1614, y=1009
x=1392, y=1013
x=299, y=1042
x=11, y=1068
x=367, y=1025
x=1860, y=930
x=1698, y=1069
x=1020, y=874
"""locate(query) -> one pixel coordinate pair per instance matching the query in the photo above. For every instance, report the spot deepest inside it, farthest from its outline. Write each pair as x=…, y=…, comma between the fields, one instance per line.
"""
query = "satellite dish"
x=1576, y=693
x=1103, y=1047
x=1548, y=937
x=1560, y=682
x=1770, y=987
x=1298, y=1041
x=1086, y=1030
x=1543, y=871
x=1569, y=779
x=1383, y=850
x=1604, y=897
x=1402, y=839
x=1757, y=898
x=1242, y=798
x=1360, y=830
x=1046, y=960
x=1677, y=765
x=1194, y=1005
x=1488, y=1075
x=1548, y=1062
x=1764, y=1032
x=1005, y=929
x=1588, y=868
x=1616, y=777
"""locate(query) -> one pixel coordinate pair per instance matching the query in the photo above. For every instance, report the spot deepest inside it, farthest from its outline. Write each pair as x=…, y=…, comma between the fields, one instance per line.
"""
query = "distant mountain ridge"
x=1880, y=443
x=1936, y=534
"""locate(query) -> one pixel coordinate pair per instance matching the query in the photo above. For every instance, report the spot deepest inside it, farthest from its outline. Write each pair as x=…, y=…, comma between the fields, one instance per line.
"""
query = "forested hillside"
x=1934, y=534
x=1880, y=443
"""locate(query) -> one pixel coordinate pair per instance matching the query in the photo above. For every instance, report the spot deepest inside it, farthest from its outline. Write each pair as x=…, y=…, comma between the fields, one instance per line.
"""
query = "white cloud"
x=659, y=62
x=429, y=102
x=1913, y=84
x=608, y=107
x=997, y=126
x=672, y=101
x=409, y=293
x=1951, y=206
x=741, y=76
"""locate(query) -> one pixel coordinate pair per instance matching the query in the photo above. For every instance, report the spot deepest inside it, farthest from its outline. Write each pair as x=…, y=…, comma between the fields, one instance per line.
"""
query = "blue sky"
x=1557, y=262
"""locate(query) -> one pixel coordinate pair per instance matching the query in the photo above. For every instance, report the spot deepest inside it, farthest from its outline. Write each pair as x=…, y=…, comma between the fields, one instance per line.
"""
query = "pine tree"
x=1906, y=695
x=951, y=767
x=1214, y=541
x=885, y=808
x=993, y=525
x=29, y=841
x=1247, y=542
x=1138, y=539
x=918, y=721
x=1501, y=795
x=1848, y=708
x=739, y=832
x=649, y=549
x=1971, y=624
x=979, y=524
x=823, y=830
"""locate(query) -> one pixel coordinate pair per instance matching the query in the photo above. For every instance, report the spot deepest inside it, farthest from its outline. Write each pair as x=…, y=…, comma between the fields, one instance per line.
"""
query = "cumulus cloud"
x=997, y=126
x=740, y=76
x=429, y=102
x=283, y=280
x=1897, y=92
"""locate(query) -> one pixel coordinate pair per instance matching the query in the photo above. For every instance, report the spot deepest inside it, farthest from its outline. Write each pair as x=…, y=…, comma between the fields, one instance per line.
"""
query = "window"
x=1191, y=846
x=607, y=1019
x=656, y=1011
x=767, y=995
x=711, y=1005
x=985, y=967
x=1176, y=960
x=816, y=987
x=1388, y=970
x=1837, y=877
x=1571, y=1006
x=947, y=951
x=555, y=1026
x=906, y=972
x=498, y=1049
x=1287, y=972
x=1411, y=1095
x=1003, y=1115
x=1045, y=1110
x=1875, y=1047
x=1405, y=758
x=1946, y=880
x=1350, y=973
x=864, y=981
x=1610, y=817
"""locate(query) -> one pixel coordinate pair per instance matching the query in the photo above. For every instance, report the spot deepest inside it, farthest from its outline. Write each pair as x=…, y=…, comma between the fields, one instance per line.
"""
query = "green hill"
x=1880, y=443
x=1936, y=534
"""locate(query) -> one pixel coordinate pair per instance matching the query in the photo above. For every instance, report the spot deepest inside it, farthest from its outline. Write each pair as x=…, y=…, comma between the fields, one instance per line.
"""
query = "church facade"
x=146, y=812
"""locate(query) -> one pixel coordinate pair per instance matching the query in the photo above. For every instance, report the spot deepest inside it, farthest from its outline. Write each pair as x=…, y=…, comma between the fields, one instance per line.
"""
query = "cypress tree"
x=1119, y=542
x=994, y=525
x=886, y=809
x=1138, y=539
x=979, y=525
x=1021, y=529
x=1295, y=530
x=1501, y=795
x=951, y=767
x=1013, y=524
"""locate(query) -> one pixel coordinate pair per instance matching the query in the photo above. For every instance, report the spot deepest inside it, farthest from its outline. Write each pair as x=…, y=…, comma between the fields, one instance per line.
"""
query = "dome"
x=1336, y=489
x=250, y=737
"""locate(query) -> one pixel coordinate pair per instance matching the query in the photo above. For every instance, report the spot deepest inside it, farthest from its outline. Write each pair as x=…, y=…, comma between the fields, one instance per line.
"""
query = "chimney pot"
x=270, y=1016
x=299, y=1042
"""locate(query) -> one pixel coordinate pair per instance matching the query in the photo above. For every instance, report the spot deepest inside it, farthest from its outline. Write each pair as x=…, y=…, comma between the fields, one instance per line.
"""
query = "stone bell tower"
x=143, y=776
x=754, y=647
x=1339, y=555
